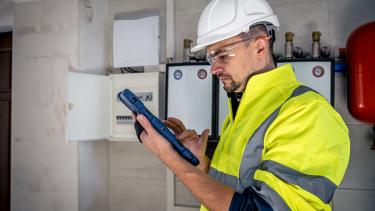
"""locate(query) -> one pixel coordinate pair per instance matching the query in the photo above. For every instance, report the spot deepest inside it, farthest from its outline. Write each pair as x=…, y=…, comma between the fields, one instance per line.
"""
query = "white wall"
x=186, y=23
x=50, y=39
x=93, y=176
x=44, y=168
x=93, y=33
x=6, y=15
x=335, y=19
x=93, y=48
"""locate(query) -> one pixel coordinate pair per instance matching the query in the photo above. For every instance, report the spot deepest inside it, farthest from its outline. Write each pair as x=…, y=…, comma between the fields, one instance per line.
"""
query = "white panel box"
x=190, y=95
x=136, y=42
x=89, y=107
x=94, y=111
x=149, y=87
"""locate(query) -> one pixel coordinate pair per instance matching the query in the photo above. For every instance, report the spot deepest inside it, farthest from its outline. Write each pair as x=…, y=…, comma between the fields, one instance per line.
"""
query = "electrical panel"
x=317, y=74
x=196, y=97
x=95, y=112
x=189, y=96
x=149, y=88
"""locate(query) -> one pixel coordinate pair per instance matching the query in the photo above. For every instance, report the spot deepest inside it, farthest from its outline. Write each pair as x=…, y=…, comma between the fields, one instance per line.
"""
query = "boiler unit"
x=189, y=97
x=361, y=73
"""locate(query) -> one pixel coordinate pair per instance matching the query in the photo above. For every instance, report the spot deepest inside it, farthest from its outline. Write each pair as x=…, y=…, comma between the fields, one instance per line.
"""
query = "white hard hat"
x=222, y=19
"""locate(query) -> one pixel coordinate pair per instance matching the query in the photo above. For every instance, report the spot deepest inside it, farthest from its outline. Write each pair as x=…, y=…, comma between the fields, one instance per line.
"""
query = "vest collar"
x=260, y=83
x=264, y=81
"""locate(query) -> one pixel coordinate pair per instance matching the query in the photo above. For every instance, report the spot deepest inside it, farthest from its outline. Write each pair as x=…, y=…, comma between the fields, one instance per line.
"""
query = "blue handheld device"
x=135, y=105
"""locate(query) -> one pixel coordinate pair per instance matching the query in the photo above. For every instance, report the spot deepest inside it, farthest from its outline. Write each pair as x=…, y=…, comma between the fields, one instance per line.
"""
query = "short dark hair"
x=256, y=31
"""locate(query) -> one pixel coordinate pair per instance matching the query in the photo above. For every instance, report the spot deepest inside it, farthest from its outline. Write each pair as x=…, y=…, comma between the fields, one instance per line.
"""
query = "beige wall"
x=44, y=169
x=6, y=15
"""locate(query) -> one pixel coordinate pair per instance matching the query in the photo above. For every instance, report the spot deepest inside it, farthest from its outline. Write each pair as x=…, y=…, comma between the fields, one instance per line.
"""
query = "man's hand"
x=158, y=145
x=190, y=139
x=151, y=138
x=204, y=188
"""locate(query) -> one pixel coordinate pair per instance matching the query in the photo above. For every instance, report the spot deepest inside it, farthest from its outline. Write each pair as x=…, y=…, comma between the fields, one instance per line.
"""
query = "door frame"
x=6, y=95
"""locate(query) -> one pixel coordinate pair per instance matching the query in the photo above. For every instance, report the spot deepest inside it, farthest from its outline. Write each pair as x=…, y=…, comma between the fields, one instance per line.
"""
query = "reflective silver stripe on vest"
x=251, y=159
x=270, y=196
x=320, y=186
x=252, y=155
x=227, y=179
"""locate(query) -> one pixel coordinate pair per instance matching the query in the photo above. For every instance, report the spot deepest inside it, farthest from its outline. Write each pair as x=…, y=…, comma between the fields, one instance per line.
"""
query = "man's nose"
x=216, y=69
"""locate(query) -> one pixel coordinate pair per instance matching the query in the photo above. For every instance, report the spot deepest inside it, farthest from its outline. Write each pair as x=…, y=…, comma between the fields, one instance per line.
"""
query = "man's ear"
x=261, y=44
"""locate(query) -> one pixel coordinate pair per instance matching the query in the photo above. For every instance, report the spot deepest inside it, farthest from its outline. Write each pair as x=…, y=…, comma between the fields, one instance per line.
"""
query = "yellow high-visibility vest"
x=286, y=141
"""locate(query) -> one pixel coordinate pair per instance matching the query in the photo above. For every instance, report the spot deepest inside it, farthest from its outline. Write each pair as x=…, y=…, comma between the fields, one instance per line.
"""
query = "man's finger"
x=187, y=134
x=204, y=138
x=177, y=122
x=134, y=117
x=145, y=123
x=144, y=137
x=172, y=126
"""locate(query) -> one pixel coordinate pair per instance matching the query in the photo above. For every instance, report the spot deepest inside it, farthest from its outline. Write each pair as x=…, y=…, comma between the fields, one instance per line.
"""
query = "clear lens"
x=221, y=57
x=223, y=54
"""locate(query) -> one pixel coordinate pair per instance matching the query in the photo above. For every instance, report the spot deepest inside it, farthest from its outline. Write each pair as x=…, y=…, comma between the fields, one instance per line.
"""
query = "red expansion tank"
x=361, y=73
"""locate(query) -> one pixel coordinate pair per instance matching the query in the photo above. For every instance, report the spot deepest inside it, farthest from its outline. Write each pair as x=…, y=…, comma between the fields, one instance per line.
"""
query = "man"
x=283, y=147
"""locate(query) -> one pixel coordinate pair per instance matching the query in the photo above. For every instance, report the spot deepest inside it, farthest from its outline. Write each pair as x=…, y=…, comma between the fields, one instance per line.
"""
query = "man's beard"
x=231, y=87
x=235, y=85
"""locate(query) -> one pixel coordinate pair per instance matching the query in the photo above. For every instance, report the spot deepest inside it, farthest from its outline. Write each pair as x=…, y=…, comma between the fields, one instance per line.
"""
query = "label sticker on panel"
x=318, y=71
x=177, y=74
x=202, y=74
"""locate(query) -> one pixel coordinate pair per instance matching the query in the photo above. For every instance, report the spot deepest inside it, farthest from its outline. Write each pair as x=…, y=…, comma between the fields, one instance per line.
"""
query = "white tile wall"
x=183, y=7
x=341, y=99
x=185, y=29
x=137, y=179
x=302, y=19
x=6, y=15
x=93, y=37
x=345, y=16
x=350, y=200
x=137, y=194
x=186, y=22
x=93, y=176
x=360, y=173
x=357, y=190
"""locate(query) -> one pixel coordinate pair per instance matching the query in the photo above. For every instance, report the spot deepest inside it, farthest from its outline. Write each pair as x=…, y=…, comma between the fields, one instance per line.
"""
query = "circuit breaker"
x=95, y=112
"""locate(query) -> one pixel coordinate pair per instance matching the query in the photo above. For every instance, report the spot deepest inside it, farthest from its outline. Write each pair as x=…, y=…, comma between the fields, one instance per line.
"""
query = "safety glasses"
x=223, y=54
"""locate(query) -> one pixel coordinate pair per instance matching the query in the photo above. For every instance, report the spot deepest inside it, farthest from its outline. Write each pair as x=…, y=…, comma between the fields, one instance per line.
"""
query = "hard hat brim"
x=211, y=38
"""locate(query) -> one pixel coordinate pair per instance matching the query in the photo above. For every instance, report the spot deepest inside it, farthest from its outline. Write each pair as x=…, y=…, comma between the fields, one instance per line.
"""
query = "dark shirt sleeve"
x=249, y=200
